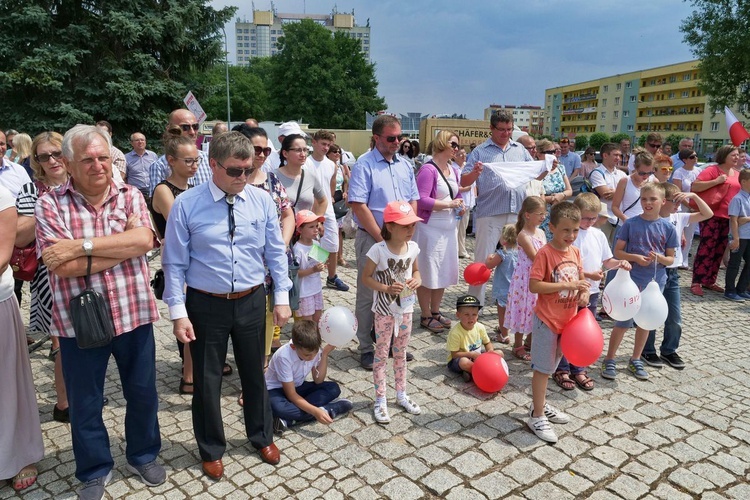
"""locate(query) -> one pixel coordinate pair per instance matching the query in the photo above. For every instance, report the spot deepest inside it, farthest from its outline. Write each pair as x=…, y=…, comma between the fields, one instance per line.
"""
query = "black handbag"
x=340, y=208
x=90, y=316
x=158, y=284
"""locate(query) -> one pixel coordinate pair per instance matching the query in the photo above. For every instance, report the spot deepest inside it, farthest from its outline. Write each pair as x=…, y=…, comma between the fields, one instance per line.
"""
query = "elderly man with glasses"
x=159, y=171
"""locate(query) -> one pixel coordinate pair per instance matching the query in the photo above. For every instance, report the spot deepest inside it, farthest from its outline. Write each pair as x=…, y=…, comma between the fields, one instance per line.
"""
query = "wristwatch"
x=88, y=246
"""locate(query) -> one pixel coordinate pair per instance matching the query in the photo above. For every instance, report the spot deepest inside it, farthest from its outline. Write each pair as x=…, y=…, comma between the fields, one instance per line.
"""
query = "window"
x=604, y=101
x=604, y=115
x=632, y=98
x=616, y=114
x=685, y=93
x=672, y=79
x=714, y=126
x=617, y=101
x=652, y=82
x=686, y=77
x=605, y=88
x=619, y=86
x=625, y=114
x=549, y=98
x=630, y=128
x=614, y=128
x=601, y=128
x=671, y=95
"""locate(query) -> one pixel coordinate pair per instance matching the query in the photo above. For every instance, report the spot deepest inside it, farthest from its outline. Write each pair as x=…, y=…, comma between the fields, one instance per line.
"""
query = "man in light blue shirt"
x=138, y=164
x=160, y=170
x=496, y=204
x=218, y=236
x=686, y=143
x=378, y=177
x=569, y=158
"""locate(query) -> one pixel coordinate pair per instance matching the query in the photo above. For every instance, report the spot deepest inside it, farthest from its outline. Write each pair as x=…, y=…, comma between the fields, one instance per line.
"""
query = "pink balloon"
x=490, y=372
x=477, y=274
x=582, y=340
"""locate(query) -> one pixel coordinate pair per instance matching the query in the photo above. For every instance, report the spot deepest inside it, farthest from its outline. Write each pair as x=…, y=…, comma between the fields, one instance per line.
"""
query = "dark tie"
x=230, y=205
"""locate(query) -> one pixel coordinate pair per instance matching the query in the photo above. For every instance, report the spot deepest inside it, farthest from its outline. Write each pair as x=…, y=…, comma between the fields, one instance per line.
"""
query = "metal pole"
x=226, y=65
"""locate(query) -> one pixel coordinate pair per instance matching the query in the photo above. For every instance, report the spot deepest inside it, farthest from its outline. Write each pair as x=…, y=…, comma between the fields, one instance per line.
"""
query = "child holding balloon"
x=504, y=259
x=521, y=301
x=557, y=277
x=293, y=399
x=392, y=274
x=649, y=242
x=310, y=287
x=466, y=338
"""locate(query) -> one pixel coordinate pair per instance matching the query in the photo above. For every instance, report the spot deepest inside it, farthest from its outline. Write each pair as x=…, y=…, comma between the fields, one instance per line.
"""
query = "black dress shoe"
x=59, y=415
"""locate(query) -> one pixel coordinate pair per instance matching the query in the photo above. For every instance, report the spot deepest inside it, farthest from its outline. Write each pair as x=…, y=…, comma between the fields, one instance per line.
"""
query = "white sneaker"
x=553, y=414
x=409, y=405
x=381, y=414
x=542, y=429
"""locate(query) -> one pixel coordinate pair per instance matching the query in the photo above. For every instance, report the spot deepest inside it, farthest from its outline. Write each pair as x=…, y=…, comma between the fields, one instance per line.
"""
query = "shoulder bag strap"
x=88, y=272
x=299, y=188
x=440, y=171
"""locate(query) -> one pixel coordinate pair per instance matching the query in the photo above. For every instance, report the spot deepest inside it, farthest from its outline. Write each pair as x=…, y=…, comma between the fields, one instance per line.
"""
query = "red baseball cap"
x=401, y=213
x=305, y=216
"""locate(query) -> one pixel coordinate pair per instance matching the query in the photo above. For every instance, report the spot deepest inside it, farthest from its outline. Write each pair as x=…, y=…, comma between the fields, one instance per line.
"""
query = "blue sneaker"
x=636, y=368
x=339, y=408
x=152, y=474
x=337, y=284
x=734, y=297
x=609, y=369
x=744, y=295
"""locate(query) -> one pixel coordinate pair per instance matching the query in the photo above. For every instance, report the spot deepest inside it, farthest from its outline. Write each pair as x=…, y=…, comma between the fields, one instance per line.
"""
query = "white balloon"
x=621, y=298
x=654, y=310
x=337, y=326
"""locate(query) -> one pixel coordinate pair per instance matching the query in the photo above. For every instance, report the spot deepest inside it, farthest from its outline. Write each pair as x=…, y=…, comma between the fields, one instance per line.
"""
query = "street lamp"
x=226, y=65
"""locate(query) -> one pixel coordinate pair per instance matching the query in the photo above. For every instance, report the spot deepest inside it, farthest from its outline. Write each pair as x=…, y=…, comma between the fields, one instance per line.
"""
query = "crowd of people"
x=246, y=231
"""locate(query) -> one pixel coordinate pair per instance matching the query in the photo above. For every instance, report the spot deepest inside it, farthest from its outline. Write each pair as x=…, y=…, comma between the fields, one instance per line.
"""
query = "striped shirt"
x=160, y=170
x=493, y=197
x=63, y=213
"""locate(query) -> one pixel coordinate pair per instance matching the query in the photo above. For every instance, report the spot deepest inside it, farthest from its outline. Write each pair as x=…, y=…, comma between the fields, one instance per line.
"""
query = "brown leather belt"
x=231, y=295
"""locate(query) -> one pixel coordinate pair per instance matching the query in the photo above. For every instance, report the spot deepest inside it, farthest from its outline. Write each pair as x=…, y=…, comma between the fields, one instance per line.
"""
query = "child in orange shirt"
x=557, y=277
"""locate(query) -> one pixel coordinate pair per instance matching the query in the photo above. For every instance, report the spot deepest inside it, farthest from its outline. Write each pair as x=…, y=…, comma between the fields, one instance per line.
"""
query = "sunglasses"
x=693, y=157
x=454, y=145
x=665, y=169
x=236, y=171
x=187, y=126
x=655, y=146
x=646, y=174
x=549, y=152
x=390, y=138
x=44, y=157
x=259, y=150
x=532, y=148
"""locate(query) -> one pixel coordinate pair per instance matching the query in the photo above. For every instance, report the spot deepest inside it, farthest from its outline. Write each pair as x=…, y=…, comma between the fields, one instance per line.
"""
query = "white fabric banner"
x=515, y=174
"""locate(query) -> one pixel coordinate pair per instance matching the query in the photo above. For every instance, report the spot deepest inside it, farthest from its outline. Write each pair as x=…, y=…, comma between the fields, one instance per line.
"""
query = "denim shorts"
x=545, y=348
x=453, y=365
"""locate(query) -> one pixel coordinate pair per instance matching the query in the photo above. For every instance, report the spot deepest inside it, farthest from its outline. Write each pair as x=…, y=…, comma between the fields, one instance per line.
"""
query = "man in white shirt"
x=604, y=180
x=325, y=169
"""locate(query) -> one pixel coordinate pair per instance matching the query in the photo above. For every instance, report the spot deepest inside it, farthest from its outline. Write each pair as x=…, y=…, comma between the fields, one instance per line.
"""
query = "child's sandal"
x=520, y=353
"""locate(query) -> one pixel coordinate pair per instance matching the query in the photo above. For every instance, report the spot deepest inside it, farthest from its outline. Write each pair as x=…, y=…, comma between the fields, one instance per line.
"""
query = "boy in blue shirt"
x=648, y=242
x=739, y=247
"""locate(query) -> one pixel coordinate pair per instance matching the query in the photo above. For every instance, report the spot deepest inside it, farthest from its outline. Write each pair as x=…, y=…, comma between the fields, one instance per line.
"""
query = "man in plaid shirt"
x=93, y=215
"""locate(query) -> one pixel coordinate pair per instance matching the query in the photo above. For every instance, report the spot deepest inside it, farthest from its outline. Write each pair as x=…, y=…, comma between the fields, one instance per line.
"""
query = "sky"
x=440, y=57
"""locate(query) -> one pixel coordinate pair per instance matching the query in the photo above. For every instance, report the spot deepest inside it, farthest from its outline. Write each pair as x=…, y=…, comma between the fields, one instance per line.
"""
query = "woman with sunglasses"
x=440, y=206
x=556, y=184
x=182, y=157
x=662, y=167
x=588, y=164
x=627, y=196
x=49, y=172
x=303, y=188
x=683, y=178
x=715, y=231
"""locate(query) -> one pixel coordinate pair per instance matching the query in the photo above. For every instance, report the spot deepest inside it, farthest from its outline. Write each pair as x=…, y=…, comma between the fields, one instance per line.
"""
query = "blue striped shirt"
x=493, y=196
x=160, y=170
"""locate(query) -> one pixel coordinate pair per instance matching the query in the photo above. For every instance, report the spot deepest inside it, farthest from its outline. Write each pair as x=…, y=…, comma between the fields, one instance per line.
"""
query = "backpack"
x=586, y=187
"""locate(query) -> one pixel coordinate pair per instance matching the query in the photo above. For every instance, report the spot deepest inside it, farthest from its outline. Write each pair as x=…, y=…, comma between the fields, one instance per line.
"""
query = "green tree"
x=126, y=61
x=642, y=140
x=322, y=79
x=597, y=139
x=718, y=32
x=674, y=141
x=248, y=91
x=619, y=137
x=582, y=142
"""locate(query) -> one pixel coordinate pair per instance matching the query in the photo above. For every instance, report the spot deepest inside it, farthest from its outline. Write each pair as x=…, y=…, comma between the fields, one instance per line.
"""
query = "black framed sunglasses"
x=187, y=126
x=454, y=145
x=693, y=157
x=390, y=138
x=258, y=150
x=236, y=171
x=655, y=146
x=549, y=152
x=44, y=157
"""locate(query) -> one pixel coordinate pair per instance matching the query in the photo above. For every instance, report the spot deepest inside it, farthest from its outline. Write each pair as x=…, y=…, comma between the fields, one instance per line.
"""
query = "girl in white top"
x=683, y=178
x=391, y=272
x=310, y=287
x=626, y=200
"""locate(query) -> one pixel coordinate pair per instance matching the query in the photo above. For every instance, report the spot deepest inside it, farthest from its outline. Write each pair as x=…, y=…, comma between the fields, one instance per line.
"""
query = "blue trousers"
x=673, y=325
x=84, y=371
x=315, y=394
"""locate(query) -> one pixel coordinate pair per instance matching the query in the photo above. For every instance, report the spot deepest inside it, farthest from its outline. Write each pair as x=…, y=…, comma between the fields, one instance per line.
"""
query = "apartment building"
x=528, y=118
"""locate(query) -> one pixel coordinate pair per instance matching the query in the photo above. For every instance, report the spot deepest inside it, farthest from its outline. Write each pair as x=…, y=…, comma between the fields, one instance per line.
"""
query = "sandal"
x=24, y=479
x=586, y=383
x=432, y=325
x=442, y=319
x=563, y=380
x=342, y=262
x=714, y=288
x=520, y=353
x=499, y=337
x=186, y=387
x=227, y=371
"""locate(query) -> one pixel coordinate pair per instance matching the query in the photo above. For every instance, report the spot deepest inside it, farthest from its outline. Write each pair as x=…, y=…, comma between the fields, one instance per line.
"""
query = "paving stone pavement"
x=681, y=434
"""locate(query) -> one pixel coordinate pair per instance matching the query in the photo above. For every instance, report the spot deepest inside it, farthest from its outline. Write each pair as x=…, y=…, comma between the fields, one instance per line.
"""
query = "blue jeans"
x=565, y=365
x=316, y=394
x=673, y=325
x=84, y=371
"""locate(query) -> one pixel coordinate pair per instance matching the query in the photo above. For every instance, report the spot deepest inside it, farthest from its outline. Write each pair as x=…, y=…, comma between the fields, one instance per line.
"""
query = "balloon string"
x=656, y=262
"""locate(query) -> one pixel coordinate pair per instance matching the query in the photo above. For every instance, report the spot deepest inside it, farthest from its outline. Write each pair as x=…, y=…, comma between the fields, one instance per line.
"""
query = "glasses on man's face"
x=655, y=146
x=389, y=138
x=258, y=150
x=298, y=150
x=187, y=126
x=454, y=145
x=190, y=161
x=645, y=174
x=44, y=157
x=531, y=148
x=236, y=171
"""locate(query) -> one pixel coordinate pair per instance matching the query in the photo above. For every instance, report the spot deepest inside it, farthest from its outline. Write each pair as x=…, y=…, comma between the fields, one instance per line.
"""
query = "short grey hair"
x=230, y=145
x=85, y=133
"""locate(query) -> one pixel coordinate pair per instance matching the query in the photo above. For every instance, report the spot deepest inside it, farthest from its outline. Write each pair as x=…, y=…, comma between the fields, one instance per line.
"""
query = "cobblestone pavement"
x=681, y=434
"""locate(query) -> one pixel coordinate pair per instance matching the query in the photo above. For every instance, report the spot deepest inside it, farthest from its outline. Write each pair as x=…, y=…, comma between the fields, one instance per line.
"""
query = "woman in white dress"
x=441, y=206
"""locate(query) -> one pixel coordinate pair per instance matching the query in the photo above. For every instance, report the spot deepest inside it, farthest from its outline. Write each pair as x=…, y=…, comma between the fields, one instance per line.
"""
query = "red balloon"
x=477, y=274
x=490, y=372
x=582, y=340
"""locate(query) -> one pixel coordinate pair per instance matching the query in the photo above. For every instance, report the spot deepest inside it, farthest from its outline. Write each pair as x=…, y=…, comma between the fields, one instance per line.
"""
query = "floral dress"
x=273, y=186
x=520, y=309
x=553, y=183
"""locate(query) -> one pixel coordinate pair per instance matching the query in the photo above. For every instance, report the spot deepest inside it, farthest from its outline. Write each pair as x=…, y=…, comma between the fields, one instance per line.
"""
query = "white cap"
x=289, y=128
